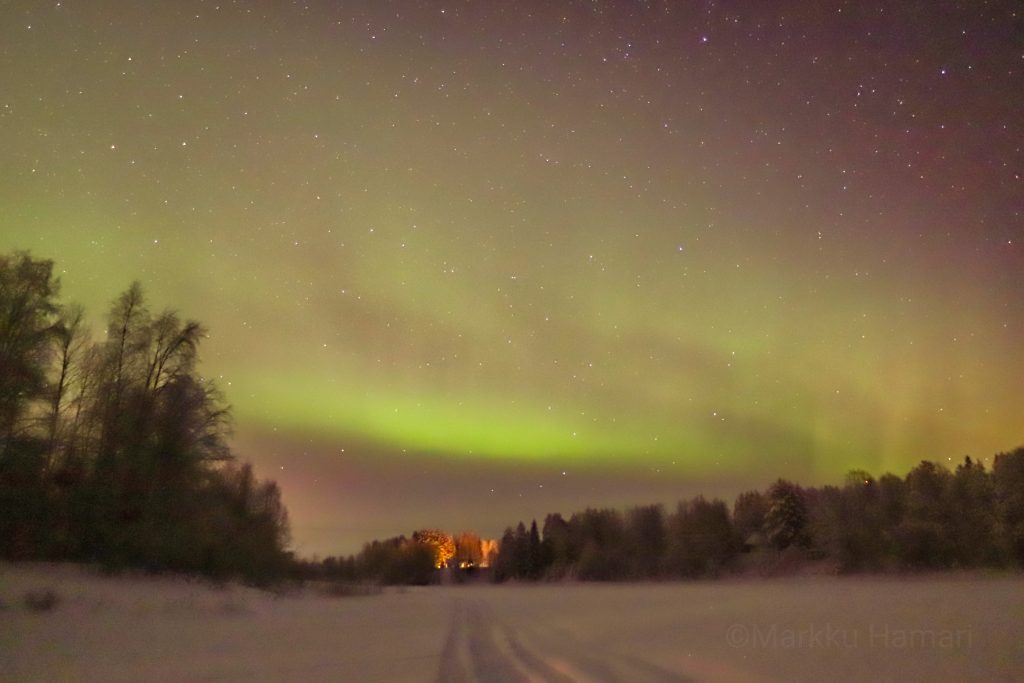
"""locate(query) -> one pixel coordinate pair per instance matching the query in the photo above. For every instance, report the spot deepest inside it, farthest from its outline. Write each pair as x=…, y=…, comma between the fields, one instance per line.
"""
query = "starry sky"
x=469, y=262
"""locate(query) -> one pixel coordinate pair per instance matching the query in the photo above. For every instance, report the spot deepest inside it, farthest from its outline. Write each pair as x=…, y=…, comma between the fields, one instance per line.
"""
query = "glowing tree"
x=441, y=543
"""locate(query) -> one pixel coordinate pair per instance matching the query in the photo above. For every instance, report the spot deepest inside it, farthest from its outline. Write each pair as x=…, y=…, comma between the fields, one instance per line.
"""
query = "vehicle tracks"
x=481, y=648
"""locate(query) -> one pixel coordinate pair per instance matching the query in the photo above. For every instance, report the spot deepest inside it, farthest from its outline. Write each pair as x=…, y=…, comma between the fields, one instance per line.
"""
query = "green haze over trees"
x=115, y=451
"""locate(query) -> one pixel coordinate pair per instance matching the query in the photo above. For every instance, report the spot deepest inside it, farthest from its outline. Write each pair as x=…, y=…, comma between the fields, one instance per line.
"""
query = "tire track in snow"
x=452, y=668
x=491, y=661
x=479, y=648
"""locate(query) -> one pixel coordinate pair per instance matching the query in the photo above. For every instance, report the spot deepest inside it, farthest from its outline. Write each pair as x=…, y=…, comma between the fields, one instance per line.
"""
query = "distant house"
x=480, y=556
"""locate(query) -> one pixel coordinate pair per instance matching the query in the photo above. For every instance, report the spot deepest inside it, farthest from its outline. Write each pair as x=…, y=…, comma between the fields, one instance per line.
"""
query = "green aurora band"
x=422, y=247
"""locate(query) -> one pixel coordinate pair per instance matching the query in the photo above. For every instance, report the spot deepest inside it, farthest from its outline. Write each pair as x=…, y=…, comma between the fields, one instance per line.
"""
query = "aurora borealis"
x=464, y=262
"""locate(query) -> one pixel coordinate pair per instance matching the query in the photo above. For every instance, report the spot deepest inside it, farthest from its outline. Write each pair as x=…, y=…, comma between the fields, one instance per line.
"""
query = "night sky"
x=465, y=263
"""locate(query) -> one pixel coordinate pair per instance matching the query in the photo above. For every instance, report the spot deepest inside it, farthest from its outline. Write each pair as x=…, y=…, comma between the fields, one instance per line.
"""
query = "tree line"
x=931, y=519
x=115, y=450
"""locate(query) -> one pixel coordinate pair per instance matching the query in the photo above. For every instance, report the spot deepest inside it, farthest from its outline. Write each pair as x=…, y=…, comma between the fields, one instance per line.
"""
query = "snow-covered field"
x=800, y=629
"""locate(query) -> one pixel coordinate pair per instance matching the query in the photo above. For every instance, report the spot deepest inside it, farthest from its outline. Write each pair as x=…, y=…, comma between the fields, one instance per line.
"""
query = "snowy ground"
x=820, y=629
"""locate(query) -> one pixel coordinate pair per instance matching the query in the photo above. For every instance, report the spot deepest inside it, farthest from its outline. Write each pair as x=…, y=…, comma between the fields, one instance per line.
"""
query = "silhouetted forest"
x=115, y=451
x=932, y=519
